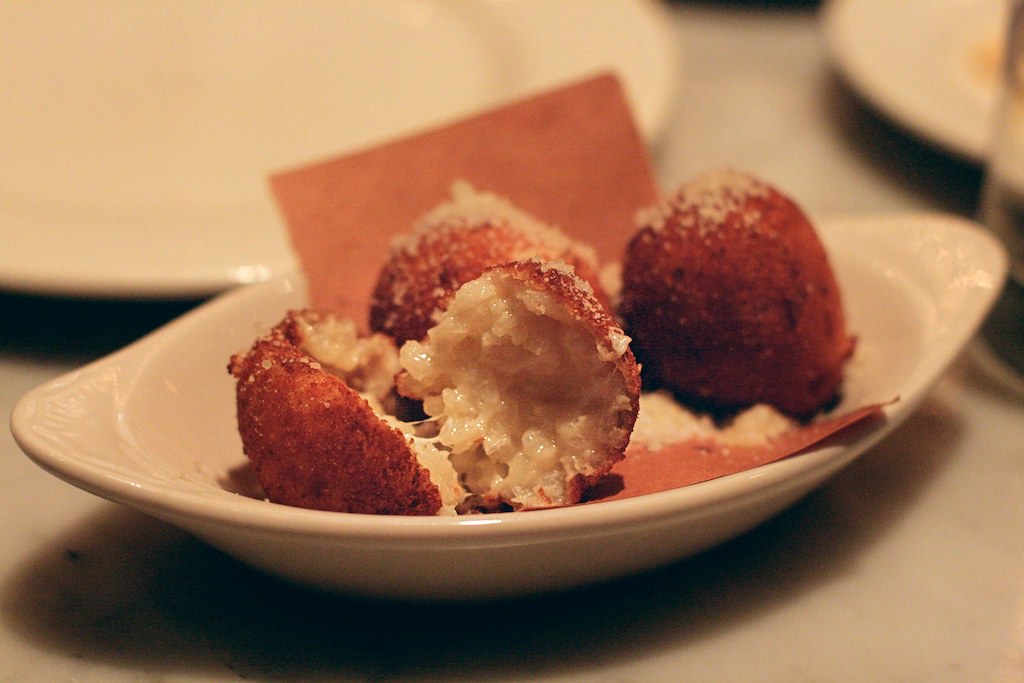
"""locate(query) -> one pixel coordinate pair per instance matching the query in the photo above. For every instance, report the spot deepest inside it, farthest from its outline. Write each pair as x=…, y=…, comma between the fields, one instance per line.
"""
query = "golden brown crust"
x=423, y=272
x=315, y=443
x=731, y=301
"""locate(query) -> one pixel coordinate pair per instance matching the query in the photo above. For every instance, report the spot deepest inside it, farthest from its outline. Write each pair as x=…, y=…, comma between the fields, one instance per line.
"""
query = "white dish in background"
x=929, y=65
x=152, y=426
x=137, y=137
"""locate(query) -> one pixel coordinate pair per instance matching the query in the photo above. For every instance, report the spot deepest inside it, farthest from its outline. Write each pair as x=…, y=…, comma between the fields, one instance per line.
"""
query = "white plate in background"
x=153, y=427
x=931, y=66
x=137, y=137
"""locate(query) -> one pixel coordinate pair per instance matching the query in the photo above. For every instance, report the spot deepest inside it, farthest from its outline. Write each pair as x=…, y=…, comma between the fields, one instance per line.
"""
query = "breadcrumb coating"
x=731, y=301
x=453, y=244
x=314, y=442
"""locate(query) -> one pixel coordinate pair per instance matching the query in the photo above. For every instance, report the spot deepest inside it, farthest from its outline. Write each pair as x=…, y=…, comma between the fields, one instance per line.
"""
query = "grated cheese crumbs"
x=705, y=202
x=663, y=421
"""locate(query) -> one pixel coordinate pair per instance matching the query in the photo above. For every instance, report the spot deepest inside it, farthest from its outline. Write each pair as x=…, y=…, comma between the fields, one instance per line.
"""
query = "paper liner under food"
x=693, y=461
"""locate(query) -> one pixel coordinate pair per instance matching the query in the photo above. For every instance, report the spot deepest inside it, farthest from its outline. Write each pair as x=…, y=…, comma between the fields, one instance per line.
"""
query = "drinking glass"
x=1002, y=201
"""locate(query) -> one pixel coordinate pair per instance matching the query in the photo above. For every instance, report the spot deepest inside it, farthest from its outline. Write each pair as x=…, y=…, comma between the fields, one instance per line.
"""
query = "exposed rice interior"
x=525, y=397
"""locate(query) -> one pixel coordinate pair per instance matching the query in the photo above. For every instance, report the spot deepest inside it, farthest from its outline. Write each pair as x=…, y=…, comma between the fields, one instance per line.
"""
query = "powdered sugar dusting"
x=558, y=266
x=470, y=208
x=473, y=207
x=705, y=202
x=567, y=270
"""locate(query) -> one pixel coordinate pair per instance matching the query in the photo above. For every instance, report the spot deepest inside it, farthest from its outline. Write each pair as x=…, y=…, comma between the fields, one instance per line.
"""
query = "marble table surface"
x=906, y=566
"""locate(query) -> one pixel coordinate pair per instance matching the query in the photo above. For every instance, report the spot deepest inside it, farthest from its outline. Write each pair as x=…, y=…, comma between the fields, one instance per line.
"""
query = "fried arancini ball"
x=532, y=383
x=452, y=245
x=731, y=301
x=314, y=442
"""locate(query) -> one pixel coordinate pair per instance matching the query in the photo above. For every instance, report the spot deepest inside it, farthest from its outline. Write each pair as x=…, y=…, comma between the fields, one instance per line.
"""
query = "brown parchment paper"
x=573, y=157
